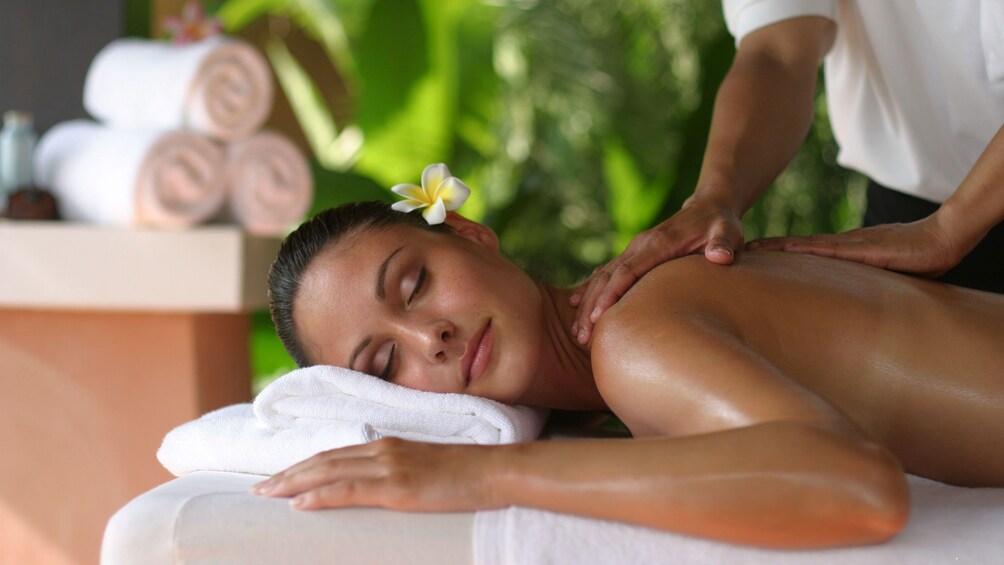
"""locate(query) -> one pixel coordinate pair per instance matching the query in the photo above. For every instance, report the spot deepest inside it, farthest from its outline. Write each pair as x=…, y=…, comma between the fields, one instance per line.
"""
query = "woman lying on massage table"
x=774, y=402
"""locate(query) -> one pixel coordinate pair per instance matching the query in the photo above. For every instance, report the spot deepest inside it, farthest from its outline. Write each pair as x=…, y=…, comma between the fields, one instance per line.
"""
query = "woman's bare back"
x=917, y=366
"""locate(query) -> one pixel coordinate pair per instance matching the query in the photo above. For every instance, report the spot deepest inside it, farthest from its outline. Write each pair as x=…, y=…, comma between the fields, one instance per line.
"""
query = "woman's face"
x=429, y=311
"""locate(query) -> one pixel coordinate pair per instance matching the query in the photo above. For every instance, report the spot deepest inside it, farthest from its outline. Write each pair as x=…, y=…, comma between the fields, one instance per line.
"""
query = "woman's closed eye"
x=388, y=364
x=419, y=283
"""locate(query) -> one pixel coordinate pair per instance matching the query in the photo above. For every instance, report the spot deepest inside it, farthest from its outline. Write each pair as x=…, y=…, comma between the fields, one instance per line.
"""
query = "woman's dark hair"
x=300, y=247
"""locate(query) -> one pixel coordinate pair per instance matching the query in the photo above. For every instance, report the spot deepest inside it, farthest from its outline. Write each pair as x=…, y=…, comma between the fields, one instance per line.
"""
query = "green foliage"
x=575, y=121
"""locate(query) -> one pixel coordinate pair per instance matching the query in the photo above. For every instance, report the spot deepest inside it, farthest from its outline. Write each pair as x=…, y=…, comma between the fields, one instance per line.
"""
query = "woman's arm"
x=755, y=458
x=778, y=484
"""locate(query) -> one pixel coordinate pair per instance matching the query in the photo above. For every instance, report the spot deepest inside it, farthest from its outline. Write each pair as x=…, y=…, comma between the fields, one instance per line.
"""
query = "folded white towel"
x=130, y=177
x=947, y=525
x=269, y=186
x=319, y=408
x=232, y=439
x=221, y=87
x=334, y=395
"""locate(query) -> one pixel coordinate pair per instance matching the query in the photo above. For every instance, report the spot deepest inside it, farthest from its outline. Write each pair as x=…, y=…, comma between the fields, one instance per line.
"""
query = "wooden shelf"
x=70, y=266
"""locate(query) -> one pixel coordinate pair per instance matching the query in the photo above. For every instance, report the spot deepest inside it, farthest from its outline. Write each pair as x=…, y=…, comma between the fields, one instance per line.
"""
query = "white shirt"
x=915, y=88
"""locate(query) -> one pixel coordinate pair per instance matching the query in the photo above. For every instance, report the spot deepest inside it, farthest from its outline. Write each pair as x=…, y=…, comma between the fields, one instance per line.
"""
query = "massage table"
x=211, y=518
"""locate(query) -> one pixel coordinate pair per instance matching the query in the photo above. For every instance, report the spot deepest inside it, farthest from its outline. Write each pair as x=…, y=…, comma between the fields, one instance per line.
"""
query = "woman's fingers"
x=389, y=472
x=323, y=469
x=354, y=492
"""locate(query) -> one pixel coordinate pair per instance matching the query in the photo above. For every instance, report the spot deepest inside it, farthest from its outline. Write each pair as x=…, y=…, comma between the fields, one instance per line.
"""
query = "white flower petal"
x=432, y=177
x=454, y=192
x=436, y=213
x=412, y=192
x=407, y=206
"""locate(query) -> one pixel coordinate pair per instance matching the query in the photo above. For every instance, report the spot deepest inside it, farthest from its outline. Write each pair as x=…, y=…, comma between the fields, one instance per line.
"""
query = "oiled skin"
x=774, y=402
x=917, y=366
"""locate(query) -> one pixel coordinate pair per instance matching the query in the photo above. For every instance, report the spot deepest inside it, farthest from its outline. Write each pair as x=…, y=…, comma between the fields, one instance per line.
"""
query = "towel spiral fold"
x=268, y=182
x=131, y=177
x=221, y=87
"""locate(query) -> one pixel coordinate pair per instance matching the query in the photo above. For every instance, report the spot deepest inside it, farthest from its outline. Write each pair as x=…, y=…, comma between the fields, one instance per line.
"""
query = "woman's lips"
x=479, y=351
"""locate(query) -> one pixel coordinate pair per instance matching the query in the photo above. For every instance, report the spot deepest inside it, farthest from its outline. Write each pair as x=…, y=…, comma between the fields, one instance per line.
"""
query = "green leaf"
x=332, y=188
x=408, y=92
x=633, y=200
x=237, y=14
x=333, y=148
x=333, y=24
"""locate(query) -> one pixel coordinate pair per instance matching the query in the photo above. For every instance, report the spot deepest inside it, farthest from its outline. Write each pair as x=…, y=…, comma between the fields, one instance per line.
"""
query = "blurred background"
x=574, y=121
x=577, y=123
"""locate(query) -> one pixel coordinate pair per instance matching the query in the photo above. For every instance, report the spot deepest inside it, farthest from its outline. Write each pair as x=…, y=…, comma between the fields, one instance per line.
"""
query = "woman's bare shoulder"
x=635, y=344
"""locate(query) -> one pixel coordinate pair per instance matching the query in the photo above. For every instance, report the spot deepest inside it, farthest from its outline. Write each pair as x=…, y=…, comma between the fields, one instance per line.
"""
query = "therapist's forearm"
x=978, y=204
x=762, y=112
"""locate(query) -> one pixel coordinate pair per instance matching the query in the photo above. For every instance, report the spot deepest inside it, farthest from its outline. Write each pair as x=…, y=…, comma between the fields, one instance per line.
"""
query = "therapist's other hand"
x=390, y=473
x=924, y=247
x=701, y=226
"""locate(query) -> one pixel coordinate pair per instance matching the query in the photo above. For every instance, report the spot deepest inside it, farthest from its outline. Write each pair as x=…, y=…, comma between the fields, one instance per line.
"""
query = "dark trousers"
x=982, y=269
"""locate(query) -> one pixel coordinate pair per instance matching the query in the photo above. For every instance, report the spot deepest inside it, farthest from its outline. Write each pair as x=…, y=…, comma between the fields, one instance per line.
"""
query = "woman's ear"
x=478, y=233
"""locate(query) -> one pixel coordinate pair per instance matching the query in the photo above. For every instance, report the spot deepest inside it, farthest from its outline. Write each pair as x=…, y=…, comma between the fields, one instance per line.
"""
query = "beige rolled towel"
x=221, y=87
x=269, y=185
x=128, y=177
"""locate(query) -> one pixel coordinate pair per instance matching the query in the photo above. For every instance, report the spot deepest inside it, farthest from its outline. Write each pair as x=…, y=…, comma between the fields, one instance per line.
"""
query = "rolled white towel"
x=221, y=87
x=232, y=439
x=332, y=395
x=269, y=185
x=130, y=177
x=320, y=408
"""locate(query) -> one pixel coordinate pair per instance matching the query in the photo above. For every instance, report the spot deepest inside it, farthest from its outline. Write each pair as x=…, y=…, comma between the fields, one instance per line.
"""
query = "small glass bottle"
x=17, y=144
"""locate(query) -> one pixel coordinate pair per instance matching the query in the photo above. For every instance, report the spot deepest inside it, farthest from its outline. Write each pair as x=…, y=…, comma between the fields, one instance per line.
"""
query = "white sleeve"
x=745, y=16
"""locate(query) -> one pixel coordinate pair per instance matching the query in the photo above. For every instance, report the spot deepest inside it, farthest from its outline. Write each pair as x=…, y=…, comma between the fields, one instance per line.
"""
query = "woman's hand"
x=924, y=247
x=391, y=473
x=701, y=226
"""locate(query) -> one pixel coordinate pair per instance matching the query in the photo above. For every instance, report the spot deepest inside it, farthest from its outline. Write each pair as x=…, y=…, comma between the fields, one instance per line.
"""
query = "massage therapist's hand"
x=391, y=473
x=701, y=226
x=925, y=247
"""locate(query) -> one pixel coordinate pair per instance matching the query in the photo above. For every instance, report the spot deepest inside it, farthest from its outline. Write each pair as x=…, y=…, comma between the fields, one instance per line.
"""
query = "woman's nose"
x=439, y=342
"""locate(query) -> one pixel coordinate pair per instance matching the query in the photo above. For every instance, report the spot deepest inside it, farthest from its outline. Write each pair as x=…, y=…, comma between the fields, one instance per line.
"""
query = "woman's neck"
x=565, y=377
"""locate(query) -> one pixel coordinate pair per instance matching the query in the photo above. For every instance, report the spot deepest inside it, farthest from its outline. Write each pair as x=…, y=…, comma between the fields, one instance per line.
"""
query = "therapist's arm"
x=929, y=246
x=763, y=111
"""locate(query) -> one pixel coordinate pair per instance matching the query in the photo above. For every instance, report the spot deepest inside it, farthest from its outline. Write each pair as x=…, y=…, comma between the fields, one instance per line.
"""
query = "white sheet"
x=211, y=518
x=947, y=525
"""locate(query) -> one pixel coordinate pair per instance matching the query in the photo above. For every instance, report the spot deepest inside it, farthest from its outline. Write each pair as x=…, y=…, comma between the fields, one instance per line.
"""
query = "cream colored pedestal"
x=108, y=339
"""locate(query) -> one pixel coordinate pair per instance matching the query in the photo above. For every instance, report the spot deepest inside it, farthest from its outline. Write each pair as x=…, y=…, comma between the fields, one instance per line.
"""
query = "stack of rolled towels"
x=176, y=141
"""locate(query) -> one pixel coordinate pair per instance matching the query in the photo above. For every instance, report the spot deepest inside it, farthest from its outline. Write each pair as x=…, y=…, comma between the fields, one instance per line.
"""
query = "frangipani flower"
x=193, y=25
x=440, y=191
